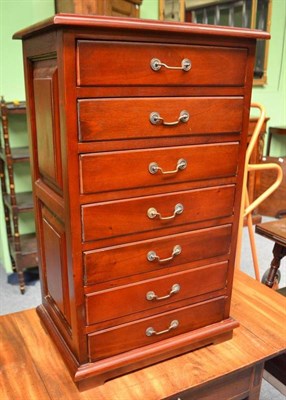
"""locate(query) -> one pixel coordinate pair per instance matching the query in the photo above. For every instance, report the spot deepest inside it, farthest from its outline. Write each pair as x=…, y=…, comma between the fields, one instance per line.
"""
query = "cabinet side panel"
x=55, y=261
x=45, y=82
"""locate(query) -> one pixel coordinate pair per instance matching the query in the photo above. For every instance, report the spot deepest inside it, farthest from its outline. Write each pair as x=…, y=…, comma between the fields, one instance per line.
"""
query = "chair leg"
x=279, y=252
x=252, y=242
x=253, y=248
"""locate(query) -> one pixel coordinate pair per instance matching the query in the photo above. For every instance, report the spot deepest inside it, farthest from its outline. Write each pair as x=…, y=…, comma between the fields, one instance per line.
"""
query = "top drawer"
x=209, y=65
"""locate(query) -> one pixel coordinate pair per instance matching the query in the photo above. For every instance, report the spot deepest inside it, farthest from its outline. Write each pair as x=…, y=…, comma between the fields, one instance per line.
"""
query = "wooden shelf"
x=18, y=154
x=24, y=202
x=26, y=256
x=16, y=108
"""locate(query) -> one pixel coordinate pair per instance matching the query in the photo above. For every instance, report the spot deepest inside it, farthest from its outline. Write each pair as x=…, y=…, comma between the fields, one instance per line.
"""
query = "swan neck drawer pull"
x=153, y=213
x=156, y=119
x=151, y=331
x=152, y=296
x=156, y=65
x=154, y=167
x=152, y=256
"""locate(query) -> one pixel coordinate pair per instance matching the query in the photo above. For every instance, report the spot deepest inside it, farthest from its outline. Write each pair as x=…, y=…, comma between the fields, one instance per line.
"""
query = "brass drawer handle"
x=151, y=256
x=156, y=65
x=152, y=296
x=151, y=331
x=156, y=119
x=154, y=167
x=153, y=213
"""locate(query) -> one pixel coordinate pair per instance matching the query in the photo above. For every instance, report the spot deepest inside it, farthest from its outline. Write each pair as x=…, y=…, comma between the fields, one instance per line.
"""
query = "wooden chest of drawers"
x=138, y=133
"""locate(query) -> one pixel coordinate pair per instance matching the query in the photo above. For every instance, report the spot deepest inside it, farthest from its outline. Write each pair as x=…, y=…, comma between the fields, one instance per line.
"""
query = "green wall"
x=17, y=14
x=149, y=9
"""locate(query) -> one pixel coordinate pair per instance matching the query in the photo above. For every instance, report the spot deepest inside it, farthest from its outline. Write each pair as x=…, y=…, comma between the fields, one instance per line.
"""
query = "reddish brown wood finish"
x=91, y=150
x=54, y=248
x=207, y=116
x=230, y=369
x=133, y=167
x=132, y=299
x=112, y=341
x=47, y=121
x=129, y=69
x=120, y=218
x=131, y=260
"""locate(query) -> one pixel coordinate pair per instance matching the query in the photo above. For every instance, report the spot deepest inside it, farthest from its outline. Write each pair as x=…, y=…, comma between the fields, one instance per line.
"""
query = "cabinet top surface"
x=75, y=21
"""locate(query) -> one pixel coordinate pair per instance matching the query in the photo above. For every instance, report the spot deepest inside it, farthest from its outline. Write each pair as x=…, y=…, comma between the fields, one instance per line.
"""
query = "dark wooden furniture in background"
x=239, y=13
x=119, y=8
x=134, y=166
x=276, y=368
x=256, y=157
x=22, y=247
x=275, y=204
x=275, y=130
x=231, y=369
x=275, y=231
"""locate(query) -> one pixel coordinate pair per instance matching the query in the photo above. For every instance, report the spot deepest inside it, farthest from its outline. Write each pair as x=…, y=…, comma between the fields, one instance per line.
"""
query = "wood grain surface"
x=32, y=368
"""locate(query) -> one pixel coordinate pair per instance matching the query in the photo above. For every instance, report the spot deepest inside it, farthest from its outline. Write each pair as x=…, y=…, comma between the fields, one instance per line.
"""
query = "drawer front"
x=125, y=217
x=151, y=294
x=134, y=335
x=126, y=118
x=101, y=172
x=156, y=254
x=210, y=65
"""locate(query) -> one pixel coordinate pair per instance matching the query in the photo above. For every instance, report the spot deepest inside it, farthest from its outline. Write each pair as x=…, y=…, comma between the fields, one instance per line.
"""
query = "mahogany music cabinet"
x=138, y=134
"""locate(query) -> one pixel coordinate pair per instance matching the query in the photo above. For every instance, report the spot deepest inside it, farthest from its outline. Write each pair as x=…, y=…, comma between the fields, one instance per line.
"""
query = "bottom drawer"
x=147, y=331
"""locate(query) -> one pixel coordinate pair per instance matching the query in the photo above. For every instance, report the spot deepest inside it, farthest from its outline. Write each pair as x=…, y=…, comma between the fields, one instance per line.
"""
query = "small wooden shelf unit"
x=22, y=247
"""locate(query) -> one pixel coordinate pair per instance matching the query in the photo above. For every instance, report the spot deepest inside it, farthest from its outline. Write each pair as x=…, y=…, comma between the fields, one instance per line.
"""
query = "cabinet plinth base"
x=96, y=373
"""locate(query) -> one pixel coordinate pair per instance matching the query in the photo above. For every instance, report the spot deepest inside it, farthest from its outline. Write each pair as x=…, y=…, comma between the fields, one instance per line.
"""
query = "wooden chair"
x=246, y=207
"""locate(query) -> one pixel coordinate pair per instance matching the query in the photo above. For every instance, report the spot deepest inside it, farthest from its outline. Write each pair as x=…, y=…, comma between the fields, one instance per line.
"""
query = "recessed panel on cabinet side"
x=54, y=263
x=45, y=80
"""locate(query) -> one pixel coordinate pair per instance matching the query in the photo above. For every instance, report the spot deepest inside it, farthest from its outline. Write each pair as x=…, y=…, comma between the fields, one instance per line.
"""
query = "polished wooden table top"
x=31, y=367
x=273, y=230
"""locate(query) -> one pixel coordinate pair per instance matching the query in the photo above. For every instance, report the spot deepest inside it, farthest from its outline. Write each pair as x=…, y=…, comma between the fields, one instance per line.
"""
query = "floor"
x=12, y=301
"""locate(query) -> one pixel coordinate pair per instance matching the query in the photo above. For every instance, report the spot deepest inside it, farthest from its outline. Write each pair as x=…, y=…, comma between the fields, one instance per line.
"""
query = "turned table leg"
x=279, y=252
